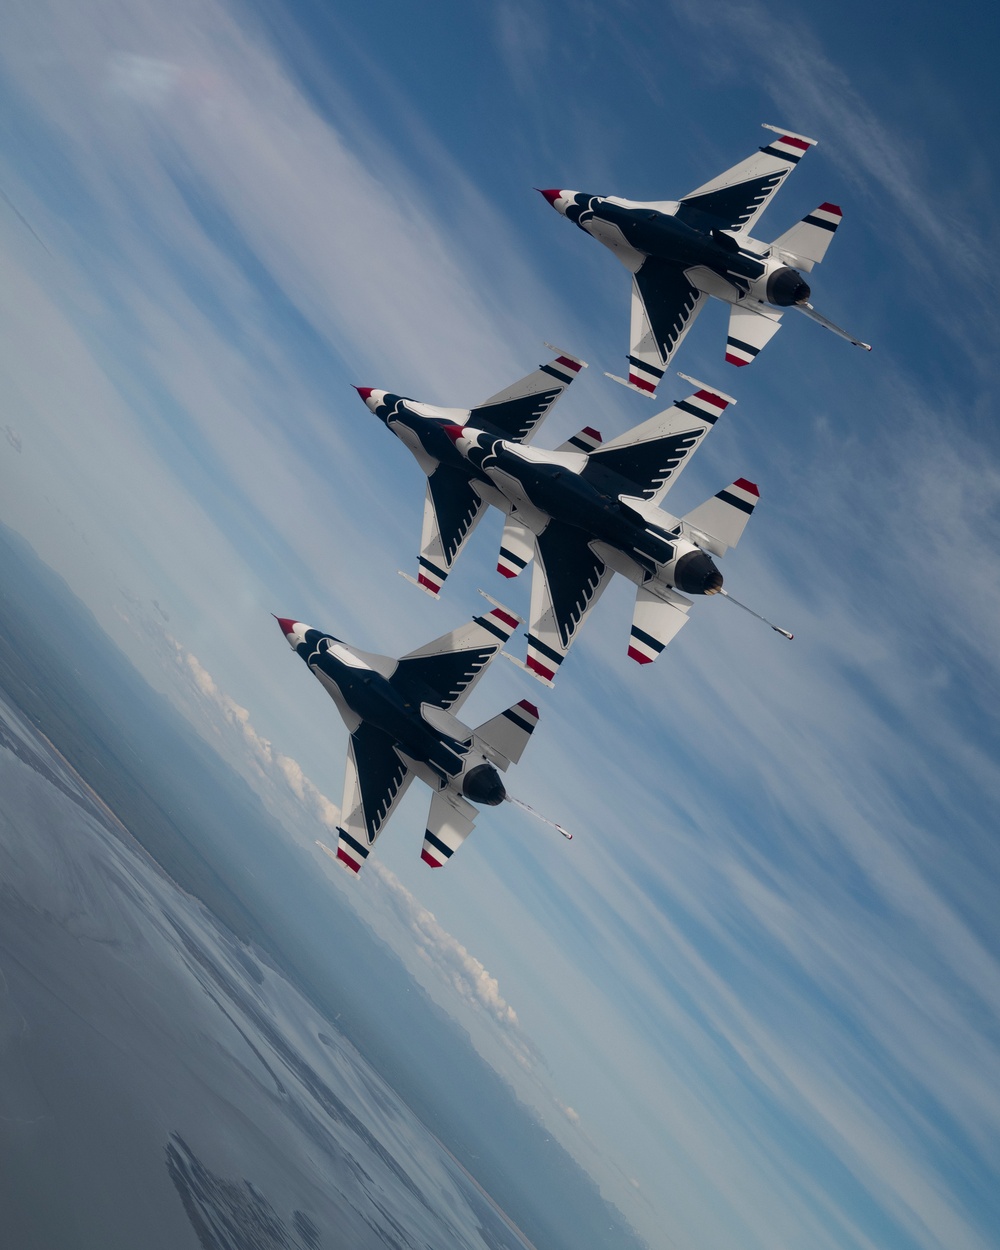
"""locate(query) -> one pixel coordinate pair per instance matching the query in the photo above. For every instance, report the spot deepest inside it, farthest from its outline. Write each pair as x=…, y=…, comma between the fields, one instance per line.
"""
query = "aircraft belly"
x=711, y=283
x=611, y=236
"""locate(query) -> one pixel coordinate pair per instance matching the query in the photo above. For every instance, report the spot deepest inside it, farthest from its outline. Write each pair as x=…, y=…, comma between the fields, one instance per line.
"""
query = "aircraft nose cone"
x=551, y=195
x=286, y=623
x=370, y=395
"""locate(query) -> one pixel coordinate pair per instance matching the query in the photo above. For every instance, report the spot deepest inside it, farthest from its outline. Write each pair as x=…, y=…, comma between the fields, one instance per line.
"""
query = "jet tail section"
x=805, y=244
x=449, y=823
x=517, y=546
x=718, y=523
x=749, y=331
x=657, y=619
x=504, y=738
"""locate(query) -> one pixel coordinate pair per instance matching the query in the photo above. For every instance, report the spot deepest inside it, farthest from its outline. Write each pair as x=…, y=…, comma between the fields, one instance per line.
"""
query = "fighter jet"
x=680, y=252
x=452, y=508
x=588, y=514
x=400, y=714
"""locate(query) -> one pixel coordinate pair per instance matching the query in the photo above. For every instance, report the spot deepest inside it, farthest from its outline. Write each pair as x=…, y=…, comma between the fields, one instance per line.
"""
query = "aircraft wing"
x=664, y=306
x=647, y=460
x=451, y=512
x=568, y=581
x=516, y=412
x=736, y=198
x=445, y=671
x=376, y=780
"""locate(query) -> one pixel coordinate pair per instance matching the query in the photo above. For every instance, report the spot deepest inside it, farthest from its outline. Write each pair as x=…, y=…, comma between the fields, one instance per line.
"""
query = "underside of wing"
x=568, y=581
x=451, y=511
x=376, y=780
x=735, y=199
x=664, y=306
x=444, y=672
x=516, y=412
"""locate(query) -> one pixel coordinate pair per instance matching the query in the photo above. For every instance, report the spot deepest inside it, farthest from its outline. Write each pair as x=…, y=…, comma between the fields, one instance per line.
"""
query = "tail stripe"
x=556, y=373
x=438, y=845
x=703, y=414
x=734, y=501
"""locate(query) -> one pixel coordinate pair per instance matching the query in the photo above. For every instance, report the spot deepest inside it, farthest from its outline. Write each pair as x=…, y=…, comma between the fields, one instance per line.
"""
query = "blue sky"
x=758, y=996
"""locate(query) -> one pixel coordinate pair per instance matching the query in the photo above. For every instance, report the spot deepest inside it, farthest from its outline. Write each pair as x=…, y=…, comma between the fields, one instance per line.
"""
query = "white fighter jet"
x=400, y=714
x=452, y=509
x=680, y=252
x=588, y=511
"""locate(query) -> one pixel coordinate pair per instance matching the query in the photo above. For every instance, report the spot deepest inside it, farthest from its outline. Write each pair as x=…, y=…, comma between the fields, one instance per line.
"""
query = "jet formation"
x=581, y=512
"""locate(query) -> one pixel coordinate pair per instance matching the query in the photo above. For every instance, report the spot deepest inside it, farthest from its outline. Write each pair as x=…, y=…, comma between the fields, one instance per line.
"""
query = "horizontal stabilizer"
x=503, y=738
x=449, y=823
x=749, y=331
x=516, y=547
x=805, y=244
x=655, y=622
x=718, y=523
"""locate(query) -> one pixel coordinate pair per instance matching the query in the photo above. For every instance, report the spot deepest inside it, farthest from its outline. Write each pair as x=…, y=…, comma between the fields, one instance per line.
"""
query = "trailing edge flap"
x=449, y=823
x=516, y=413
x=718, y=523
x=805, y=244
x=444, y=672
x=504, y=738
x=451, y=511
x=657, y=619
x=749, y=331
x=646, y=460
x=516, y=547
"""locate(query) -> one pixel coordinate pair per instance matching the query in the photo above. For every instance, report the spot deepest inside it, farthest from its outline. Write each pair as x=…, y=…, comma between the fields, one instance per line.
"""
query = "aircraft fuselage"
x=372, y=698
x=667, y=237
x=558, y=492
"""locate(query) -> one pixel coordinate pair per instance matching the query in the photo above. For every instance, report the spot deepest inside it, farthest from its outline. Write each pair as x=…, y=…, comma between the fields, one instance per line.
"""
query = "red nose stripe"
x=287, y=625
x=454, y=432
x=364, y=392
x=551, y=196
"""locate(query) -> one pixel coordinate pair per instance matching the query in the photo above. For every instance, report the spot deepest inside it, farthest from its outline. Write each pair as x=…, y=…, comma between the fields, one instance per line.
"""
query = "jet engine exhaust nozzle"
x=786, y=287
x=697, y=575
x=482, y=784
